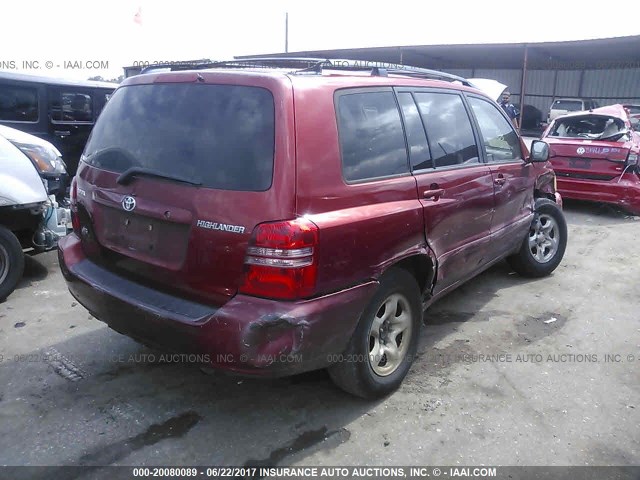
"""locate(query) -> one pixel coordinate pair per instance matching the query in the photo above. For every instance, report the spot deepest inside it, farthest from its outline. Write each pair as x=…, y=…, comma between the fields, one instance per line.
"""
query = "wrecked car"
x=216, y=216
x=31, y=221
x=634, y=115
x=46, y=159
x=595, y=156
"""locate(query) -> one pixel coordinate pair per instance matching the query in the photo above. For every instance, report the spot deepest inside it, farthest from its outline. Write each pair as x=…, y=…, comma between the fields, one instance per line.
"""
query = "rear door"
x=513, y=179
x=71, y=118
x=454, y=187
x=206, y=164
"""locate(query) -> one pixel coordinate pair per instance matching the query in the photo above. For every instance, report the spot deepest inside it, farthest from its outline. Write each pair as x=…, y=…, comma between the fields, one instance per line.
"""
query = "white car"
x=562, y=106
x=46, y=159
x=30, y=219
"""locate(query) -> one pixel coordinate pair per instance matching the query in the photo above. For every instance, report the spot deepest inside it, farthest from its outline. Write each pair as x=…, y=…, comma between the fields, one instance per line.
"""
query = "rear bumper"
x=247, y=335
x=625, y=193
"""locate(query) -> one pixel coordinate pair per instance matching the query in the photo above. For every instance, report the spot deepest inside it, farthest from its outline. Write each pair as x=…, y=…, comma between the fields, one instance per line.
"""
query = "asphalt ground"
x=510, y=371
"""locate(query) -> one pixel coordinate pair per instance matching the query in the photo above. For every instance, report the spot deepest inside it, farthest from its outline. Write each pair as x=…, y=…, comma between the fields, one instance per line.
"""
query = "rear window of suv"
x=219, y=136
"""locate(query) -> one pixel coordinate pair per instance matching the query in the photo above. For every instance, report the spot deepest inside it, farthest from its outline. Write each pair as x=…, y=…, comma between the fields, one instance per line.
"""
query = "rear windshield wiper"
x=126, y=176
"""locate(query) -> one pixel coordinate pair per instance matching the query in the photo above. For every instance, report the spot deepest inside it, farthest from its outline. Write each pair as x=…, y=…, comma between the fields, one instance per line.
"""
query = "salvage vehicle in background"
x=46, y=159
x=595, y=156
x=634, y=115
x=562, y=106
x=272, y=236
x=60, y=111
x=30, y=220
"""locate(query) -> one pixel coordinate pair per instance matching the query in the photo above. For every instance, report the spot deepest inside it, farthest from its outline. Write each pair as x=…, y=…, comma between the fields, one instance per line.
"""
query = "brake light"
x=281, y=260
x=75, y=220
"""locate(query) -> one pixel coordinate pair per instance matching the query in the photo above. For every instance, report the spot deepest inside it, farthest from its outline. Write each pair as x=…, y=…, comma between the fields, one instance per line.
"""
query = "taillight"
x=75, y=221
x=281, y=260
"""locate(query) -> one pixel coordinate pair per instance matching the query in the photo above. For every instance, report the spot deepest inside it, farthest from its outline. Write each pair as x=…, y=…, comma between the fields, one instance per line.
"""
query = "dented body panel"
x=247, y=335
x=172, y=271
x=595, y=156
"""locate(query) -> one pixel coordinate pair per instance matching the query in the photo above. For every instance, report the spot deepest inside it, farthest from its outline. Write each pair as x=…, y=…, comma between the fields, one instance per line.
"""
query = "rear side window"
x=371, y=137
x=416, y=137
x=18, y=104
x=448, y=129
x=220, y=136
x=70, y=106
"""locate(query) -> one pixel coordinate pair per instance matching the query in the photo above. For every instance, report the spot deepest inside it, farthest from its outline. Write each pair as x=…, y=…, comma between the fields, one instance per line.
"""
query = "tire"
x=544, y=246
x=11, y=262
x=366, y=369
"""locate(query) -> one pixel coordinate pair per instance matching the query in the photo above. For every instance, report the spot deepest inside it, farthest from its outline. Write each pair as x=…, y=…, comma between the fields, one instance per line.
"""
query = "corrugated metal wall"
x=605, y=86
x=612, y=86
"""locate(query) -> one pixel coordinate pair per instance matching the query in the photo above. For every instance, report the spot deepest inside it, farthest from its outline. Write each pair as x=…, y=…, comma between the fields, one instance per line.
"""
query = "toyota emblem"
x=128, y=203
x=580, y=150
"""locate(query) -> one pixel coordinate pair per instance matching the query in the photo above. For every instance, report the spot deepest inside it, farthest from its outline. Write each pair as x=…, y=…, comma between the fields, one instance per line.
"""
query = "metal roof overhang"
x=606, y=53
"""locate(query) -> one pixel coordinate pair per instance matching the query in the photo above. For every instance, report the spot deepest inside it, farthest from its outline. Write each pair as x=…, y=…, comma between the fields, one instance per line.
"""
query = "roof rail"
x=238, y=63
x=316, y=65
x=186, y=65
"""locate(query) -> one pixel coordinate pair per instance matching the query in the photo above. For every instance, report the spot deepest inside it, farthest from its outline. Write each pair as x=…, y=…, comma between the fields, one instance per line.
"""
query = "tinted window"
x=69, y=106
x=18, y=104
x=501, y=143
x=219, y=135
x=448, y=129
x=418, y=149
x=371, y=136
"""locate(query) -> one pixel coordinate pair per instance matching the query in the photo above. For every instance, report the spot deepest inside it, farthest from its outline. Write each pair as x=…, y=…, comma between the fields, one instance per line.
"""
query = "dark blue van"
x=60, y=111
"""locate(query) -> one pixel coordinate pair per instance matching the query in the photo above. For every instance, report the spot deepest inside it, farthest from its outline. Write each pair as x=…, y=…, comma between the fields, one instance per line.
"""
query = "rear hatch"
x=590, y=147
x=178, y=171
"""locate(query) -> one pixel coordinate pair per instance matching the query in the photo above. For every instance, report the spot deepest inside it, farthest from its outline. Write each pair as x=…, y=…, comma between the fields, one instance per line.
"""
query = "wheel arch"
x=545, y=186
x=422, y=266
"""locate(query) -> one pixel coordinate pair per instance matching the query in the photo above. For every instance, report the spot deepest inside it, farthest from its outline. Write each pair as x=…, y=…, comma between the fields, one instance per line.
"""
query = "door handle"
x=500, y=180
x=434, y=194
x=62, y=133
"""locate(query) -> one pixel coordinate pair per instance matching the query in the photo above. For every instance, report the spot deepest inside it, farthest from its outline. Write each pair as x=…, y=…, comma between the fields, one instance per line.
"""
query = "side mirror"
x=539, y=151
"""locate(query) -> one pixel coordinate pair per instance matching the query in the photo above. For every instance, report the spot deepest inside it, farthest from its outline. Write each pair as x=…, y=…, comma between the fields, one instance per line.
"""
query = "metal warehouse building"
x=605, y=70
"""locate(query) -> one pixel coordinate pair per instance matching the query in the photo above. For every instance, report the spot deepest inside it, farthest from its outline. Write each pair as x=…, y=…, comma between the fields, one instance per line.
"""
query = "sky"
x=82, y=38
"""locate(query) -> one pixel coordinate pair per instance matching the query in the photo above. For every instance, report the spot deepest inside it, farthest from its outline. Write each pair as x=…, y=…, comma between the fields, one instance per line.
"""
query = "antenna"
x=286, y=32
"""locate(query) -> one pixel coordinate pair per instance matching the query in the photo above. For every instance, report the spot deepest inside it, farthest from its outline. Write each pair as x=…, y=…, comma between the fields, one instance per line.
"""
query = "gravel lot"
x=510, y=371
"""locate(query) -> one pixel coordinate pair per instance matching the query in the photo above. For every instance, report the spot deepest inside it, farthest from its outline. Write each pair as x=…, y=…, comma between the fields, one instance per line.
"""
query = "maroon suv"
x=270, y=221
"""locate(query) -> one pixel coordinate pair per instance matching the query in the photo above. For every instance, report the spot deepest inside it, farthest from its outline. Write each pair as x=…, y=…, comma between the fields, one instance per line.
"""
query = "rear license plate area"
x=583, y=163
x=144, y=237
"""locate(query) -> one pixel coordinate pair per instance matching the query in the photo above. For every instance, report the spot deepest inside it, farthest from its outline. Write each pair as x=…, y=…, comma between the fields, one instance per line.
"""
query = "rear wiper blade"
x=126, y=176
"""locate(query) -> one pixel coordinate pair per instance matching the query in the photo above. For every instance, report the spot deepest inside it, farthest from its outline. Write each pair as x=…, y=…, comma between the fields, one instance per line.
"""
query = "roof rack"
x=187, y=65
x=301, y=65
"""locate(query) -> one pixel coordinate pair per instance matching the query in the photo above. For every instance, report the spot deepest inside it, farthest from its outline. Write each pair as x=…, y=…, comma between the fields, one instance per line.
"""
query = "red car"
x=595, y=156
x=271, y=221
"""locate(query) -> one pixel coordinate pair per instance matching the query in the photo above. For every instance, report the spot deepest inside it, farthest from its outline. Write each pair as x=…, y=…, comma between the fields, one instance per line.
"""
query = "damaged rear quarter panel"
x=261, y=332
